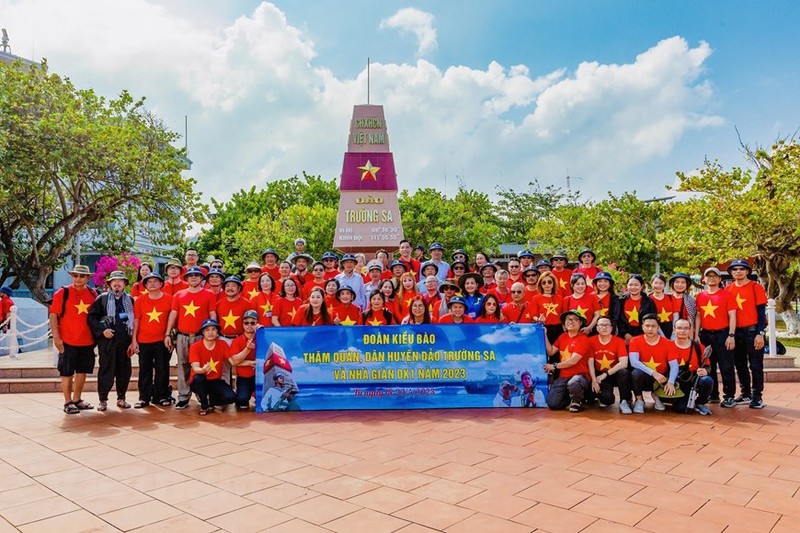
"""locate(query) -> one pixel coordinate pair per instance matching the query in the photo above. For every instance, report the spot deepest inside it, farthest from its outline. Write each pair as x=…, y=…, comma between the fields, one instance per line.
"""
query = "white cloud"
x=420, y=23
x=260, y=108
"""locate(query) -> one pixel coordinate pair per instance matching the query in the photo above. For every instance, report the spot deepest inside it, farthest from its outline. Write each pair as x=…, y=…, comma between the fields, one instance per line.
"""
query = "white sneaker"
x=638, y=407
x=625, y=407
x=658, y=405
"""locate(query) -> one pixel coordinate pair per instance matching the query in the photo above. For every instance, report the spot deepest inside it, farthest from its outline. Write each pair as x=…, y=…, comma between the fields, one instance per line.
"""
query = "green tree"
x=750, y=212
x=518, y=212
x=70, y=161
x=467, y=220
x=269, y=203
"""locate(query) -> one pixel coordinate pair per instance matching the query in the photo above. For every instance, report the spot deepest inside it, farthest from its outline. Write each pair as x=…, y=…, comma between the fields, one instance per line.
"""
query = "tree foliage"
x=70, y=161
x=519, y=211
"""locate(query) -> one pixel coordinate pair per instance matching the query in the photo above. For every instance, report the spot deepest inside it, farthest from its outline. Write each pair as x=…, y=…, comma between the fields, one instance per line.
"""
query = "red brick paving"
x=453, y=470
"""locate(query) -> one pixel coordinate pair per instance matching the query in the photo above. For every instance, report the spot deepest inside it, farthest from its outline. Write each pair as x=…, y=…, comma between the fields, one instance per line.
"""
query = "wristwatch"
x=760, y=333
x=731, y=335
x=555, y=366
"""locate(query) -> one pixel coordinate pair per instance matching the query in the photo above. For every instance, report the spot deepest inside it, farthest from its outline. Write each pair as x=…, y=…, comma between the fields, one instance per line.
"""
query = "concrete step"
x=779, y=361
x=781, y=375
x=46, y=384
x=50, y=372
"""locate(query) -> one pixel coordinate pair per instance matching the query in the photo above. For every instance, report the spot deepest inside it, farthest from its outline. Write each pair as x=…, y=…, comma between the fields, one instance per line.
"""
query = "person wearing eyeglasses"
x=562, y=273
x=649, y=356
x=317, y=279
x=490, y=312
x=458, y=269
x=608, y=366
x=548, y=306
x=518, y=310
x=250, y=283
x=441, y=307
x=530, y=279
x=572, y=349
x=751, y=320
x=243, y=350
x=514, y=271
x=418, y=312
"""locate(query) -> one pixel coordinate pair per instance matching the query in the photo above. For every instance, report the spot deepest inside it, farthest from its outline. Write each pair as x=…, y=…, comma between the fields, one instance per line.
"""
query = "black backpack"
x=66, y=295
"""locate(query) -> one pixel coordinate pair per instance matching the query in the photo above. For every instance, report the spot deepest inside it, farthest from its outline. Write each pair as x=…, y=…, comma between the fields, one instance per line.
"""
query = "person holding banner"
x=418, y=312
x=458, y=312
x=315, y=312
x=572, y=347
x=287, y=304
x=206, y=358
x=243, y=354
x=608, y=366
x=378, y=314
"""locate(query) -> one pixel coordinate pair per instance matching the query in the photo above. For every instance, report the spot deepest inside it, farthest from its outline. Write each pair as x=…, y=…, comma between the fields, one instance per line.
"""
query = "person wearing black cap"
x=572, y=348
x=458, y=269
x=419, y=253
x=543, y=265
x=243, y=355
x=330, y=262
x=270, y=258
x=525, y=258
x=457, y=314
x=441, y=307
x=587, y=266
x=488, y=271
x=633, y=306
x=715, y=326
x=443, y=269
x=318, y=279
x=460, y=255
x=751, y=320
x=344, y=312
x=151, y=313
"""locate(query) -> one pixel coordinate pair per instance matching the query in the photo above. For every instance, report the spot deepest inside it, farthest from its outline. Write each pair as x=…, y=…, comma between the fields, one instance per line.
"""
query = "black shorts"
x=76, y=360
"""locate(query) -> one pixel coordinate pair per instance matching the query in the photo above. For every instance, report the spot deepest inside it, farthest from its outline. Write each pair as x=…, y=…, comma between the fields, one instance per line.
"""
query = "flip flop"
x=122, y=404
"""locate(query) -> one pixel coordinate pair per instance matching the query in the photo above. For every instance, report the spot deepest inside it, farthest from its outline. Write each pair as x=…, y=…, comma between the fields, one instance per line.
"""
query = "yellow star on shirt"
x=230, y=320
x=190, y=309
x=740, y=301
x=633, y=315
x=267, y=308
x=603, y=311
x=369, y=171
x=252, y=294
x=651, y=363
x=292, y=313
x=213, y=365
x=562, y=283
x=663, y=316
x=374, y=322
x=605, y=363
x=709, y=310
x=551, y=309
x=82, y=307
x=581, y=311
x=408, y=302
x=347, y=321
x=565, y=354
x=154, y=316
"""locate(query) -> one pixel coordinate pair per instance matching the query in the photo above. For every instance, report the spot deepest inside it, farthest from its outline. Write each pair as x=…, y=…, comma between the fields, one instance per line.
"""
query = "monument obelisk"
x=369, y=217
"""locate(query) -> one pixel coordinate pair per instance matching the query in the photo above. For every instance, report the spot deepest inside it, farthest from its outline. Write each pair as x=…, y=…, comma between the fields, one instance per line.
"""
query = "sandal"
x=122, y=404
x=204, y=412
x=575, y=407
x=71, y=409
x=83, y=406
x=102, y=406
x=140, y=404
x=165, y=402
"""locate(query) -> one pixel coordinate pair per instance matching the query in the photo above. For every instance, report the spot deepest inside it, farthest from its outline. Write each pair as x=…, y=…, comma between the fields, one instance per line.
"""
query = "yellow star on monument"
x=709, y=310
x=605, y=363
x=82, y=307
x=190, y=309
x=374, y=322
x=740, y=301
x=154, y=316
x=663, y=316
x=213, y=365
x=267, y=308
x=230, y=320
x=581, y=311
x=565, y=354
x=252, y=294
x=633, y=315
x=551, y=309
x=651, y=363
x=369, y=171
x=347, y=321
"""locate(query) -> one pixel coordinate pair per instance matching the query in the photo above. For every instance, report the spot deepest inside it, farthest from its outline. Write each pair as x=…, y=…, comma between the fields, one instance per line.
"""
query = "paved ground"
x=454, y=470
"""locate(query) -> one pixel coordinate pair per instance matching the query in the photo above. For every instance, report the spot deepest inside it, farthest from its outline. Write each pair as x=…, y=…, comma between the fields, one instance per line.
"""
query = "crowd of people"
x=670, y=340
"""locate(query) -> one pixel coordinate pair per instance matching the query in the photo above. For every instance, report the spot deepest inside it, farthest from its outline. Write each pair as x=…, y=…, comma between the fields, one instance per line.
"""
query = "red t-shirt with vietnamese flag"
x=73, y=327
x=713, y=309
x=746, y=298
x=678, y=306
x=174, y=288
x=230, y=313
x=654, y=356
x=567, y=347
x=239, y=344
x=550, y=307
x=519, y=314
x=604, y=302
x=265, y=304
x=348, y=315
x=193, y=309
x=587, y=305
x=372, y=318
x=249, y=289
x=286, y=310
x=687, y=358
x=310, y=285
x=503, y=298
x=199, y=353
x=301, y=320
x=664, y=308
x=448, y=319
x=607, y=355
x=563, y=288
x=152, y=315
x=274, y=271
x=632, y=311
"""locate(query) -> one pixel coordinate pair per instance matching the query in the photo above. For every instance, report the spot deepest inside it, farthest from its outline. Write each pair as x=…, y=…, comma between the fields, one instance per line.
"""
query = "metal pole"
x=13, y=346
x=773, y=332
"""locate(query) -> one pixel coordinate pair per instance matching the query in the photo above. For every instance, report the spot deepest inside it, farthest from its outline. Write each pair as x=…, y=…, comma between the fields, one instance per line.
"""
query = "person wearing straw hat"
x=176, y=277
x=73, y=338
x=111, y=321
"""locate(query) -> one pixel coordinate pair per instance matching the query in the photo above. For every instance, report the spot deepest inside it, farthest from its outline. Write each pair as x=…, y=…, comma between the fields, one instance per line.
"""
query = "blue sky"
x=620, y=94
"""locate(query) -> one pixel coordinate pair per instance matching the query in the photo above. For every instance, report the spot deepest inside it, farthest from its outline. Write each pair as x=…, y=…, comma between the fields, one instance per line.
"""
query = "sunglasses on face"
x=249, y=323
x=547, y=282
x=516, y=292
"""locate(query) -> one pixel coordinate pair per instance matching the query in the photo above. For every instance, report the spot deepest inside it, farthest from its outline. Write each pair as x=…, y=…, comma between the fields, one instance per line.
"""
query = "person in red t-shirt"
x=608, y=366
x=137, y=289
x=458, y=312
x=330, y=262
x=6, y=303
x=412, y=265
x=377, y=314
x=490, y=312
x=501, y=288
x=265, y=300
x=572, y=347
x=250, y=285
x=270, y=259
x=715, y=326
x=231, y=309
x=315, y=312
x=518, y=310
x=418, y=312
x=530, y=277
x=151, y=314
x=73, y=338
x=176, y=278
x=190, y=308
x=284, y=273
x=664, y=304
x=587, y=267
x=649, y=356
x=213, y=284
x=402, y=298
x=287, y=304
x=243, y=353
x=582, y=301
x=693, y=364
x=207, y=357
x=751, y=303
x=547, y=306
x=345, y=312
x=562, y=274
x=514, y=271
x=318, y=279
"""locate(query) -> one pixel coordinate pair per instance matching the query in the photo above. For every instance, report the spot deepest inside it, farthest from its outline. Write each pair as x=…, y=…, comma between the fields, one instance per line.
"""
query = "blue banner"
x=400, y=367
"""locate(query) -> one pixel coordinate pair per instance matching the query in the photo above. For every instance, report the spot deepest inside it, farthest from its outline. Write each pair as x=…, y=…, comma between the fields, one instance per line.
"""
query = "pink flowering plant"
x=126, y=262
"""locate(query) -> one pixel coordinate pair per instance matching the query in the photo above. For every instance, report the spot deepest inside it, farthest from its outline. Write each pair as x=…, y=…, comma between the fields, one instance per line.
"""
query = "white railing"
x=35, y=333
